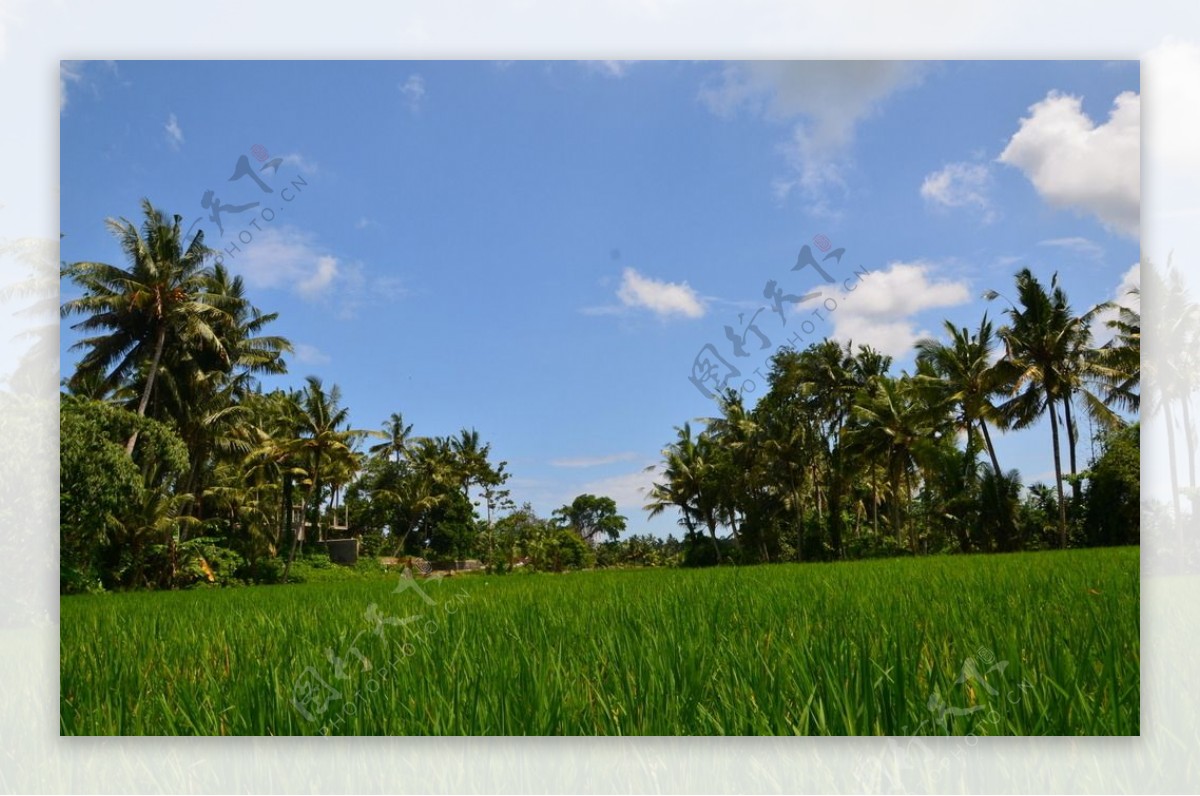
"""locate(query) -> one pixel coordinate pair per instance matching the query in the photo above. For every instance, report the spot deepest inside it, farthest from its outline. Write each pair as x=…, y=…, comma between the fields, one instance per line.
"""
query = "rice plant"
x=1022, y=644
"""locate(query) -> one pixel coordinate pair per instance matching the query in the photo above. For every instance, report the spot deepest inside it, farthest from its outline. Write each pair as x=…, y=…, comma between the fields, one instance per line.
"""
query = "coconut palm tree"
x=206, y=395
x=686, y=486
x=323, y=447
x=398, y=435
x=965, y=364
x=1118, y=363
x=893, y=424
x=1041, y=342
x=1171, y=381
x=159, y=298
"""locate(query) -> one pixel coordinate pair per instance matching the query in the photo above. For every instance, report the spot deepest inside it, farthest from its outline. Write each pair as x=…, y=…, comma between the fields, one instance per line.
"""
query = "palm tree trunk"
x=295, y=538
x=987, y=438
x=799, y=521
x=1169, y=417
x=835, y=510
x=1189, y=436
x=1058, y=479
x=1072, y=438
x=912, y=529
x=895, y=507
x=159, y=343
x=875, y=501
x=288, y=495
x=820, y=501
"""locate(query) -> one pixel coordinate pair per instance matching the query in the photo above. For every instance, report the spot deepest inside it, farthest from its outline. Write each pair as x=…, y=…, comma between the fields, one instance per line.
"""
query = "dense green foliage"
x=1114, y=487
x=841, y=458
x=1040, y=644
x=110, y=503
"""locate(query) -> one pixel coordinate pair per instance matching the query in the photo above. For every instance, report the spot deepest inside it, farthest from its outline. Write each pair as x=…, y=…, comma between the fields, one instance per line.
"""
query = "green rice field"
x=1021, y=644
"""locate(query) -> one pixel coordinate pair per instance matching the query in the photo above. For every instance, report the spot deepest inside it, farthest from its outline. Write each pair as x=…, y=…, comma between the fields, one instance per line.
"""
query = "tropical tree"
x=1171, y=379
x=892, y=423
x=682, y=486
x=966, y=365
x=1047, y=352
x=591, y=517
x=133, y=313
x=324, y=446
x=398, y=434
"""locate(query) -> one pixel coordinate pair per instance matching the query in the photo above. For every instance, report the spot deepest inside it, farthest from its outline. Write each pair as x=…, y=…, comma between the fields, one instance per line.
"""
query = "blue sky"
x=540, y=250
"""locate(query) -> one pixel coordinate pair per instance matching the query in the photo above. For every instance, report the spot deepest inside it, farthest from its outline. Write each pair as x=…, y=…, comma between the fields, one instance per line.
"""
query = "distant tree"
x=966, y=367
x=1112, y=502
x=1047, y=360
x=397, y=437
x=591, y=517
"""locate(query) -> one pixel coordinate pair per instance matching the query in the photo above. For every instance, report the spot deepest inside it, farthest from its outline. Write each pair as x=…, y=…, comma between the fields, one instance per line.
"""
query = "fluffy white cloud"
x=310, y=355
x=827, y=100
x=284, y=257
x=174, y=132
x=662, y=298
x=69, y=72
x=1075, y=163
x=413, y=90
x=594, y=461
x=960, y=185
x=881, y=311
x=319, y=279
x=628, y=490
x=299, y=163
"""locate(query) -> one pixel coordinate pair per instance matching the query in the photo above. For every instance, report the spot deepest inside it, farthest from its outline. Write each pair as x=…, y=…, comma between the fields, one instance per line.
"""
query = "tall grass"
x=1043, y=643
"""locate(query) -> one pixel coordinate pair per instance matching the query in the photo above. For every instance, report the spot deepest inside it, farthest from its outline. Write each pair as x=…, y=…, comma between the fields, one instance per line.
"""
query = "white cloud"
x=299, y=163
x=826, y=99
x=960, y=185
x=881, y=311
x=413, y=90
x=594, y=461
x=319, y=280
x=1074, y=163
x=286, y=258
x=68, y=72
x=1081, y=246
x=283, y=257
x=310, y=355
x=174, y=132
x=627, y=490
x=363, y=223
x=662, y=298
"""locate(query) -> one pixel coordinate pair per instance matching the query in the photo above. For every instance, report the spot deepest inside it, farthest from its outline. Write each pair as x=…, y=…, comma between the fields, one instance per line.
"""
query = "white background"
x=34, y=36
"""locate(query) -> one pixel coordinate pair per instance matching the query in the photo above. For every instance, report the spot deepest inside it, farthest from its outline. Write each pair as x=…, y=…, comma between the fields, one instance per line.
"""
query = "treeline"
x=841, y=458
x=178, y=469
